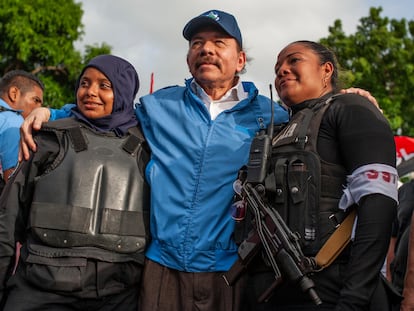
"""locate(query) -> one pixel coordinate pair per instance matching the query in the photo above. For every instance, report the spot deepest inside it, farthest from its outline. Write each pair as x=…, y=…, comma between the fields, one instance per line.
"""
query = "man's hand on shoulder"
x=32, y=122
x=364, y=93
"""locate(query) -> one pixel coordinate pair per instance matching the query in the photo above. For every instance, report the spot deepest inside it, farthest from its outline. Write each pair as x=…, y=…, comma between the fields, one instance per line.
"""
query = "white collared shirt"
x=228, y=101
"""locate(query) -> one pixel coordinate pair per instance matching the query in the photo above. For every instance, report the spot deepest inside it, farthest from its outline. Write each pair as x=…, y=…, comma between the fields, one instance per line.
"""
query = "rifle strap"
x=336, y=242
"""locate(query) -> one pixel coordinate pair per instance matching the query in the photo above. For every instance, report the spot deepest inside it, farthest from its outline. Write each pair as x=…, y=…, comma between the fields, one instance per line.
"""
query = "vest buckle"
x=334, y=220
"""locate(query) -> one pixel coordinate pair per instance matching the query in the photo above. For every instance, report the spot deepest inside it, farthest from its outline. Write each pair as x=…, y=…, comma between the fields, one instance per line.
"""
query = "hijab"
x=125, y=85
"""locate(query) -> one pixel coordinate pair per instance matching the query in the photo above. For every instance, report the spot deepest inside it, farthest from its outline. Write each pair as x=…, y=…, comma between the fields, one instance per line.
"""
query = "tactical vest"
x=303, y=188
x=94, y=194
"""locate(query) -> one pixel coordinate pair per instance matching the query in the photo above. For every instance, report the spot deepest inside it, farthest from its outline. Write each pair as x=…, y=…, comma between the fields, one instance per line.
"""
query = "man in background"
x=20, y=93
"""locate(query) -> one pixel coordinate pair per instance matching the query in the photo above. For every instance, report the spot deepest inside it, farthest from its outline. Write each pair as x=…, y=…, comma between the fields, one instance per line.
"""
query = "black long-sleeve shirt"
x=354, y=133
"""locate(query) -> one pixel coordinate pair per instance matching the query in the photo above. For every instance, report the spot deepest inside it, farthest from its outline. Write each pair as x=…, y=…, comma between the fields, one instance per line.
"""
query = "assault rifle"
x=280, y=244
x=270, y=232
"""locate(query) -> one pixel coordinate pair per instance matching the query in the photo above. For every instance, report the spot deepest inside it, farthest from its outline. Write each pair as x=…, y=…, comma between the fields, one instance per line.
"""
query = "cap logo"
x=213, y=15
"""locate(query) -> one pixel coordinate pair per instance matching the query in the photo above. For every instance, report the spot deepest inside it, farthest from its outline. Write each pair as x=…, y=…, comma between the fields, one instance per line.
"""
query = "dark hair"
x=23, y=80
x=325, y=55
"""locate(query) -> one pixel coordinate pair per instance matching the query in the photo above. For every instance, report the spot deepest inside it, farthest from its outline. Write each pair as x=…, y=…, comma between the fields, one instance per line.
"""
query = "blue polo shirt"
x=10, y=122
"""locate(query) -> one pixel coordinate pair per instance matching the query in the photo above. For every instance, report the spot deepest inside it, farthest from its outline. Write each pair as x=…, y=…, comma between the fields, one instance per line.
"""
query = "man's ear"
x=13, y=94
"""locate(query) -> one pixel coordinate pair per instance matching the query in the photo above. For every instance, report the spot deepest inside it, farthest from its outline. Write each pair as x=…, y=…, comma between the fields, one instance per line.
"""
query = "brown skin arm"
x=408, y=292
x=32, y=122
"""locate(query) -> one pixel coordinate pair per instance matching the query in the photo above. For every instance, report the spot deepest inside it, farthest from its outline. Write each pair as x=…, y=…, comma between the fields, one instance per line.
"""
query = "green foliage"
x=55, y=96
x=379, y=57
x=94, y=50
x=38, y=36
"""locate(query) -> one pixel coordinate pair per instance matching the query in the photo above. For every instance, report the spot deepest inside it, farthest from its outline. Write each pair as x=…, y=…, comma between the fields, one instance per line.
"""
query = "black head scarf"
x=125, y=84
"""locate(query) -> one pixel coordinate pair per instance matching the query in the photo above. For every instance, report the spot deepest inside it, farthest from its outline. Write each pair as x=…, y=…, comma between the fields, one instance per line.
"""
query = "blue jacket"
x=195, y=161
x=10, y=122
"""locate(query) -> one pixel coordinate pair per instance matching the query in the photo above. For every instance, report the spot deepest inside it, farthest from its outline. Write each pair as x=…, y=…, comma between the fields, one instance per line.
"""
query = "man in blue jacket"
x=20, y=93
x=200, y=135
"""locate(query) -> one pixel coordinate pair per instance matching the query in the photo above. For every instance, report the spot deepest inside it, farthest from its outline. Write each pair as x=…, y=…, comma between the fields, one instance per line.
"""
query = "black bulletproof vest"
x=94, y=195
x=302, y=187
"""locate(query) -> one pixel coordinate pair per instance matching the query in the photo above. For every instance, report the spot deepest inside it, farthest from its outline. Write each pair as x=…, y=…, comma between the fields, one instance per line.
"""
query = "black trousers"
x=24, y=297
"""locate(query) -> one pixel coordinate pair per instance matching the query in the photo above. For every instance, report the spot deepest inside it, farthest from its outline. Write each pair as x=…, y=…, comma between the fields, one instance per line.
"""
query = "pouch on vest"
x=297, y=177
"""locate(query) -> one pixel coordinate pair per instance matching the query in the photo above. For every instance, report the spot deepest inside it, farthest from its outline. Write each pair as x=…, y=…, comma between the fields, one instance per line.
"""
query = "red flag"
x=404, y=147
x=152, y=83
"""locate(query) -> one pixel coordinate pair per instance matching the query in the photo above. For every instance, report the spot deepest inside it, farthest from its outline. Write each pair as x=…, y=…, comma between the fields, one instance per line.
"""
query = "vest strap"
x=2, y=109
x=134, y=141
x=336, y=242
x=77, y=138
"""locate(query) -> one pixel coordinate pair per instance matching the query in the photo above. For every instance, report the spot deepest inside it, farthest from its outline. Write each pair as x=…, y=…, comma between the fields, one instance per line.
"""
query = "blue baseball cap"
x=224, y=20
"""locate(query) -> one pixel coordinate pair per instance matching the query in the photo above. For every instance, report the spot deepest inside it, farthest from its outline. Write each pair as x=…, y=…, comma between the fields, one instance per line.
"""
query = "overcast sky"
x=148, y=33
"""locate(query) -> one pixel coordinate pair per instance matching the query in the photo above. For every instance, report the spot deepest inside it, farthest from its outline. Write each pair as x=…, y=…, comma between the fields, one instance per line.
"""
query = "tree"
x=379, y=57
x=38, y=36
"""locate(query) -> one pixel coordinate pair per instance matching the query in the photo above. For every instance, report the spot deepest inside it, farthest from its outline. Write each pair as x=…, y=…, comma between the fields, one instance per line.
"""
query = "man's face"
x=29, y=100
x=214, y=58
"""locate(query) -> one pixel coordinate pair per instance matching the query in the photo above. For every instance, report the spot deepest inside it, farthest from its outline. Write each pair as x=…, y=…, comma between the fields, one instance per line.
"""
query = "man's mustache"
x=204, y=61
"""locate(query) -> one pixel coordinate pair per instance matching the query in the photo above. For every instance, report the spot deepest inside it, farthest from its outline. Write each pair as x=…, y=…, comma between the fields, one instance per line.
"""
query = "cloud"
x=149, y=33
